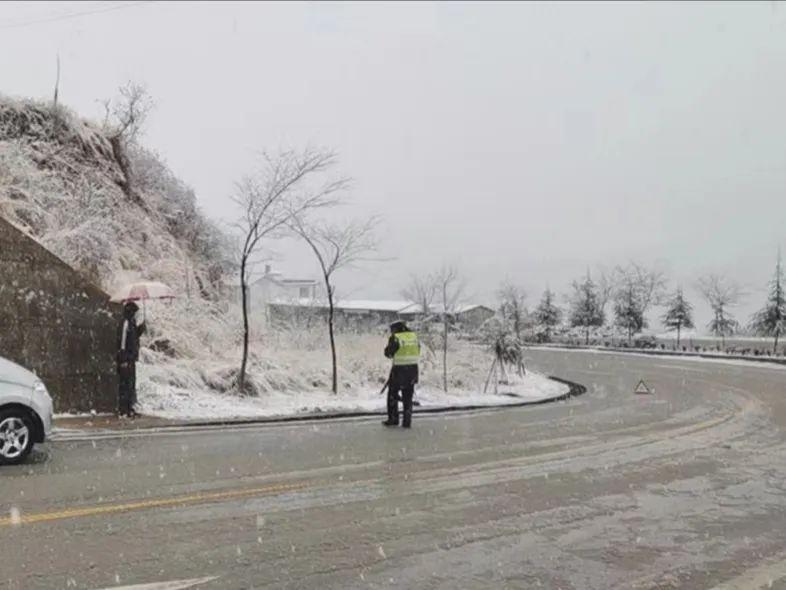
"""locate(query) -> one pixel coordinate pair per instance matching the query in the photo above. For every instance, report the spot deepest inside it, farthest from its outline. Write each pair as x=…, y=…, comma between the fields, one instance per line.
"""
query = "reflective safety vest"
x=408, y=352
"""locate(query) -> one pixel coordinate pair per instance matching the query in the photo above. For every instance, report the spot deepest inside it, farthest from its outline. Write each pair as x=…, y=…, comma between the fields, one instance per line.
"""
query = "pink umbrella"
x=142, y=291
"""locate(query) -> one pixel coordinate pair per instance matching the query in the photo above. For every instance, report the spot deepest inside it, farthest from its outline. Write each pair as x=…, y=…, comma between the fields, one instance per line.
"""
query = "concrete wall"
x=356, y=321
x=474, y=318
x=53, y=322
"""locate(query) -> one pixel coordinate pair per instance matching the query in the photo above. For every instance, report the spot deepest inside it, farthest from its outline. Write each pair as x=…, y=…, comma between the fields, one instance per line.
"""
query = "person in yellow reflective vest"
x=404, y=350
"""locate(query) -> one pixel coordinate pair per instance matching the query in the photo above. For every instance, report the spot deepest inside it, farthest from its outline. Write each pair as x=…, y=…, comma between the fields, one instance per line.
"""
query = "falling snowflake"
x=16, y=516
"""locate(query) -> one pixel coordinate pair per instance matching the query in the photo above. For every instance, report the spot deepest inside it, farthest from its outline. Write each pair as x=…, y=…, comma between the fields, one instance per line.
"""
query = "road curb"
x=575, y=389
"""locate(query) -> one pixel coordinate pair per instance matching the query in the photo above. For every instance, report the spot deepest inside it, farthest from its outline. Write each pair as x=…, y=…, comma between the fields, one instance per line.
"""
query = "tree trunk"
x=775, y=346
x=503, y=373
x=586, y=335
x=445, y=351
x=491, y=372
x=332, y=341
x=678, y=335
x=241, y=379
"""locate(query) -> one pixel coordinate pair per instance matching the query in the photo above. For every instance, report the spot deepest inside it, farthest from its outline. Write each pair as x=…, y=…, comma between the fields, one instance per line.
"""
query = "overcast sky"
x=521, y=140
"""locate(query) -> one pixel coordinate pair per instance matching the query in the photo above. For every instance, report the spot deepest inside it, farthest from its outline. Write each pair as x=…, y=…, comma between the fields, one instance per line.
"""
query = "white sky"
x=519, y=140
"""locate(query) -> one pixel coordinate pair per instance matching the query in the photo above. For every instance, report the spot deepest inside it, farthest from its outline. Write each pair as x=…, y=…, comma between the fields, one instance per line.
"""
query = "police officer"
x=127, y=356
x=404, y=349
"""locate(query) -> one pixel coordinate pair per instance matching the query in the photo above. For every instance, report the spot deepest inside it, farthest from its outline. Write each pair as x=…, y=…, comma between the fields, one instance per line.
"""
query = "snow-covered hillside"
x=113, y=216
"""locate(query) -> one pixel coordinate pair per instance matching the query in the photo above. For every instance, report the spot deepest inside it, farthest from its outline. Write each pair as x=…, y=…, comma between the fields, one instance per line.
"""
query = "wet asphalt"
x=683, y=488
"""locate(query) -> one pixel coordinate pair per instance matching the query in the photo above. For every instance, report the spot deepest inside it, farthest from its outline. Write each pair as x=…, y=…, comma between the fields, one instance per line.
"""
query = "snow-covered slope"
x=61, y=180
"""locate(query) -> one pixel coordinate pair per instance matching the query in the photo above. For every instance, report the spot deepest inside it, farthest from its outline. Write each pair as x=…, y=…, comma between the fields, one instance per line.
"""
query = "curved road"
x=684, y=488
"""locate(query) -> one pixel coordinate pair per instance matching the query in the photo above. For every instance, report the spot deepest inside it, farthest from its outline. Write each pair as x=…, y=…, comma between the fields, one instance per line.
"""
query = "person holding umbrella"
x=128, y=338
x=127, y=356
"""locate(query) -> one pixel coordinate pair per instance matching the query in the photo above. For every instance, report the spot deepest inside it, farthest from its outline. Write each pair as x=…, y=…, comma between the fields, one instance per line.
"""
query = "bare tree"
x=721, y=293
x=636, y=289
x=124, y=119
x=336, y=247
x=450, y=288
x=512, y=307
x=270, y=199
x=605, y=287
x=422, y=291
x=125, y=116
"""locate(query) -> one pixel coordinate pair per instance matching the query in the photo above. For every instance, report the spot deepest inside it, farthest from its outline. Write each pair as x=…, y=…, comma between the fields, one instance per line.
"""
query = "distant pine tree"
x=770, y=320
x=679, y=313
x=586, y=308
x=636, y=288
x=547, y=314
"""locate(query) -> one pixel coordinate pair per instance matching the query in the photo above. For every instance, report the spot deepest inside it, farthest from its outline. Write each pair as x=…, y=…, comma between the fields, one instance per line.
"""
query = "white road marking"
x=755, y=578
x=172, y=585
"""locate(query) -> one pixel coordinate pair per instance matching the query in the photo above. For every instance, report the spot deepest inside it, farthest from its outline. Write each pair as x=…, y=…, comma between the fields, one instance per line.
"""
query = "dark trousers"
x=127, y=391
x=407, y=390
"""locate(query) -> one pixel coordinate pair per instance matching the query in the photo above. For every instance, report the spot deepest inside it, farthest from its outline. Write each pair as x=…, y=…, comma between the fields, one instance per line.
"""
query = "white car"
x=25, y=412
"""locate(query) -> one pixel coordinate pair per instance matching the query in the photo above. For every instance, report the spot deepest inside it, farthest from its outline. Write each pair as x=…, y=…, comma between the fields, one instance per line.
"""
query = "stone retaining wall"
x=58, y=325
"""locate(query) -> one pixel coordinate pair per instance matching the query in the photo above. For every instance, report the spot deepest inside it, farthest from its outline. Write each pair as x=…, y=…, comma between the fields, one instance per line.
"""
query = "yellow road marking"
x=146, y=504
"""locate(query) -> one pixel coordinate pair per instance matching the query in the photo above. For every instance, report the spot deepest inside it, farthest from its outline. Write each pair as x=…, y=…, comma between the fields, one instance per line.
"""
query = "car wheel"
x=16, y=436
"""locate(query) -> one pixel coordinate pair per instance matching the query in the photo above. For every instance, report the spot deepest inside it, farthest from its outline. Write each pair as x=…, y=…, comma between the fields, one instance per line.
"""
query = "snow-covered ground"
x=184, y=404
x=289, y=371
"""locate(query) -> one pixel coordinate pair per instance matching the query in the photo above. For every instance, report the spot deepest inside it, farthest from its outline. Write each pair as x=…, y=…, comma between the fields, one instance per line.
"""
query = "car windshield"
x=392, y=295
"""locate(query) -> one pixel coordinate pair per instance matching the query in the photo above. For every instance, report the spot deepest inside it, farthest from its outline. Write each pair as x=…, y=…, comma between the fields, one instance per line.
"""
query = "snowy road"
x=685, y=488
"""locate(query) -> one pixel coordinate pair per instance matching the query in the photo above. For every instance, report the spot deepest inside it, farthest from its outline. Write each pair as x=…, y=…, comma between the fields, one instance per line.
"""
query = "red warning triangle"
x=642, y=388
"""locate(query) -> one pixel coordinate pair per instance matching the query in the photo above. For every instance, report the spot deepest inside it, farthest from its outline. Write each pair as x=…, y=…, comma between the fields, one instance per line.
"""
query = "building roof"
x=279, y=280
x=233, y=280
x=350, y=304
x=396, y=306
x=303, y=282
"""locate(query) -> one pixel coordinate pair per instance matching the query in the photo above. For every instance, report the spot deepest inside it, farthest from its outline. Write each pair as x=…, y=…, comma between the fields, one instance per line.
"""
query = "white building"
x=274, y=286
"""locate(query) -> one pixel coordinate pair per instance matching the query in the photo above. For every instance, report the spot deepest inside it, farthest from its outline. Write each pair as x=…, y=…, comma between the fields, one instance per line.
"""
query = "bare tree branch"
x=285, y=189
x=335, y=247
x=450, y=289
x=721, y=293
x=130, y=111
x=512, y=307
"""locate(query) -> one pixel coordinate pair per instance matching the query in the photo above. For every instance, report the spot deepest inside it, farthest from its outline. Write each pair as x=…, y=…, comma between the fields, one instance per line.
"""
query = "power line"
x=73, y=15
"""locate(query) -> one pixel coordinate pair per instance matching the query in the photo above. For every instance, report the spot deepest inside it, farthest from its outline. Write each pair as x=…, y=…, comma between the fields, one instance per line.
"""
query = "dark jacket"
x=128, y=351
